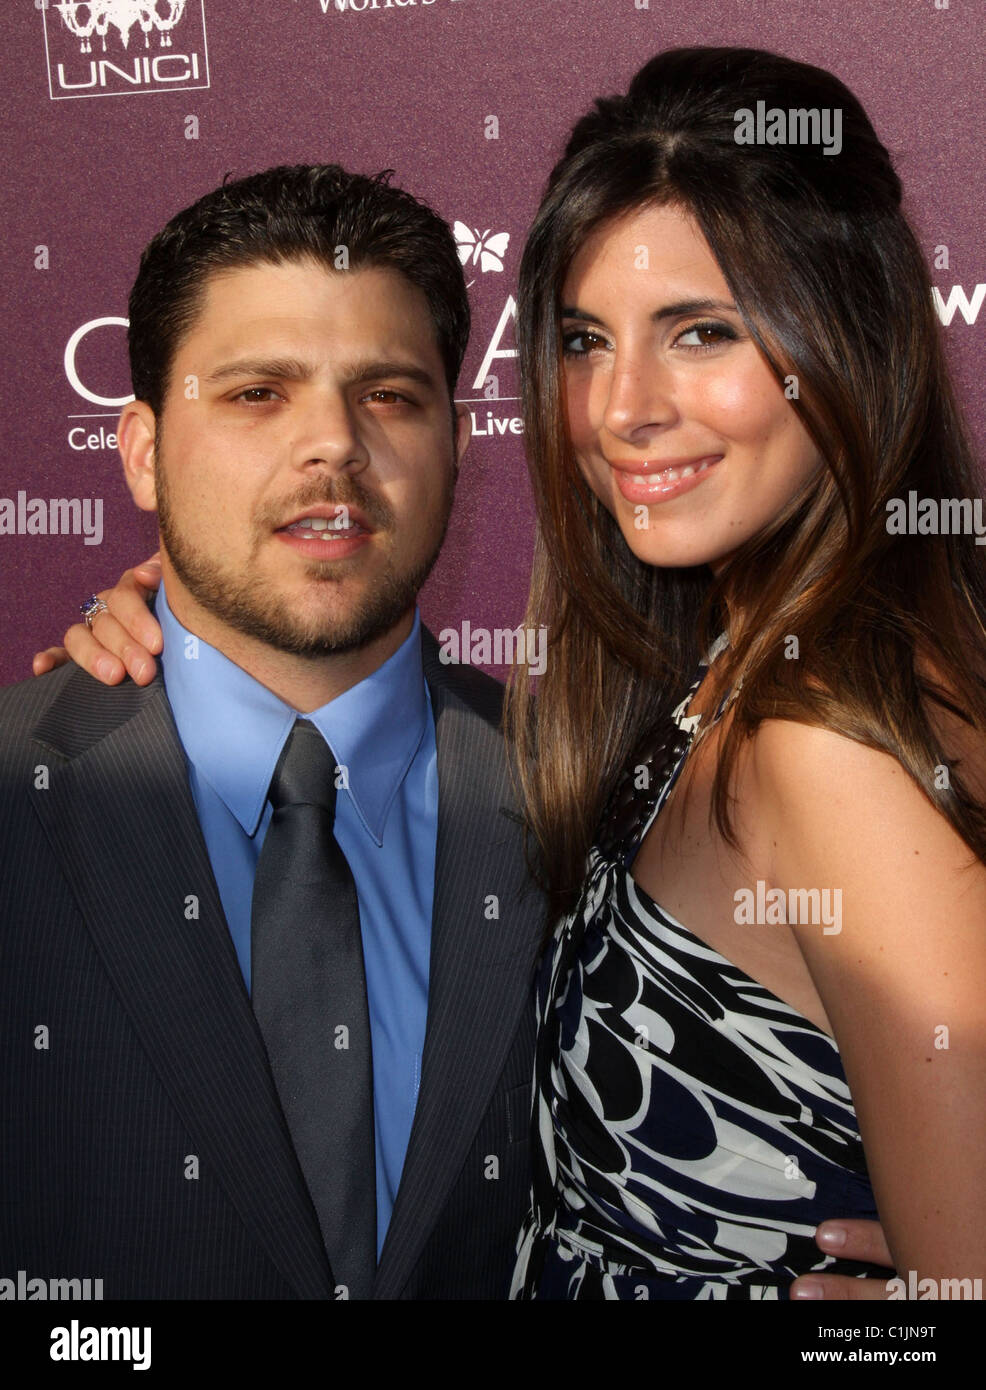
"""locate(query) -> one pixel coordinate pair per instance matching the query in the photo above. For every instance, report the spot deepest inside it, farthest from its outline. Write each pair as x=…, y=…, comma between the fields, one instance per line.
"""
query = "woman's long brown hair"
x=833, y=289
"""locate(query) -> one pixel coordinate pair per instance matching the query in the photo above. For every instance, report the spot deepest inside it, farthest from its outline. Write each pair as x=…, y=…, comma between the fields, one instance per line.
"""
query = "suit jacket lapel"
x=120, y=816
x=480, y=971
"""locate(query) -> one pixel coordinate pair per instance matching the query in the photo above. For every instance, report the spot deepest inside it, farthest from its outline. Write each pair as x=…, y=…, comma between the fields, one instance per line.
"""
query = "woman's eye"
x=580, y=341
x=708, y=335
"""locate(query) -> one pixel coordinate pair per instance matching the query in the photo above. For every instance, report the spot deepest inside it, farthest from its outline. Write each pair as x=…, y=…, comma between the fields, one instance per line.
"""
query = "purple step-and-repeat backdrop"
x=110, y=130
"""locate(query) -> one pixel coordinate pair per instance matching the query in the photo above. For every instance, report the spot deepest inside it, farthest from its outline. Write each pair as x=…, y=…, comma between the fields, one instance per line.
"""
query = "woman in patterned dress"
x=755, y=763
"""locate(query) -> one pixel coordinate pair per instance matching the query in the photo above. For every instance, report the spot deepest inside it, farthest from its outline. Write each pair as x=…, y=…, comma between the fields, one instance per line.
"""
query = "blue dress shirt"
x=383, y=732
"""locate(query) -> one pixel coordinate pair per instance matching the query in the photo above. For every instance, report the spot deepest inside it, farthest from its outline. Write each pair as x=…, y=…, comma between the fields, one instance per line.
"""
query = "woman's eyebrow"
x=668, y=311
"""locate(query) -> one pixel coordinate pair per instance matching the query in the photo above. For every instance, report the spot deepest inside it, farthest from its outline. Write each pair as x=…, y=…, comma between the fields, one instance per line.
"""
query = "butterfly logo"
x=476, y=247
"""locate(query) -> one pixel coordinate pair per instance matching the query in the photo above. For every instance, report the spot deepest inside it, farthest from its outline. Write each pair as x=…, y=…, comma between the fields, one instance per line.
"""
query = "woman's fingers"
x=127, y=602
x=122, y=639
x=853, y=1239
x=849, y=1239
x=149, y=572
x=108, y=652
x=839, y=1286
x=48, y=659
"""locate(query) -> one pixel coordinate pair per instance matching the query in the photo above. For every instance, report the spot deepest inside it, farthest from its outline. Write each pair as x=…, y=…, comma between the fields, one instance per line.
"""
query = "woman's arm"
x=123, y=640
x=901, y=972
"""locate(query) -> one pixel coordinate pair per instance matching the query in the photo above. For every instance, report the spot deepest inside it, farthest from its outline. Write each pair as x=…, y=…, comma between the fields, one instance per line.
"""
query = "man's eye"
x=580, y=341
x=257, y=395
x=384, y=396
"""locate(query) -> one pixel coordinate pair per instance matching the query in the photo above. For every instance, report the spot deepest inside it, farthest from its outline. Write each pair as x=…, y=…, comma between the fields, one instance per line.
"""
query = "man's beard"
x=250, y=607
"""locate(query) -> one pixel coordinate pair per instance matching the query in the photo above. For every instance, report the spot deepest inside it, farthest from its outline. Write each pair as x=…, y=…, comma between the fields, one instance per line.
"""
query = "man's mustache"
x=338, y=492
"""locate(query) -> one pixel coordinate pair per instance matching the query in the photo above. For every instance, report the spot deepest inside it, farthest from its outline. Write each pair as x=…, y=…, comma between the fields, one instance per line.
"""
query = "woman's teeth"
x=667, y=475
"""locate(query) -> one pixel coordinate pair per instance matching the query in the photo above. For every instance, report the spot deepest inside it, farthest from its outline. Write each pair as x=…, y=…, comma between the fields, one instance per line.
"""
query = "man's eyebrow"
x=281, y=368
x=293, y=369
x=359, y=372
x=669, y=311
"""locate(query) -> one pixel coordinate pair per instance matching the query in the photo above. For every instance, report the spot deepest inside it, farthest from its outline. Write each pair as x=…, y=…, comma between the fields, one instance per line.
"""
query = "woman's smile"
x=650, y=481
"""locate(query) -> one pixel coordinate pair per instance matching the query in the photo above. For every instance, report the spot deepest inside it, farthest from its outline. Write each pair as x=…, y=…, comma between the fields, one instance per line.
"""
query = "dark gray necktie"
x=309, y=997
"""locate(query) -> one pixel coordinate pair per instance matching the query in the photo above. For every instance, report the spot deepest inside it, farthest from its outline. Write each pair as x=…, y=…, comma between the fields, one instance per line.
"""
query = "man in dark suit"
x=294, y=340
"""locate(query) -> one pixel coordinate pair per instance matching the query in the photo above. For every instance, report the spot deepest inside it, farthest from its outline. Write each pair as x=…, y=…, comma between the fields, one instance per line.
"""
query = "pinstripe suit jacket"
x=141, y=1137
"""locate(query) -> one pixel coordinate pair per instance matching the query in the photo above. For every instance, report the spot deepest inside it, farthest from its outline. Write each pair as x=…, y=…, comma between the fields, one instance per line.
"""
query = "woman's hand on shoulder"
x=899, y=961
x=124, y=638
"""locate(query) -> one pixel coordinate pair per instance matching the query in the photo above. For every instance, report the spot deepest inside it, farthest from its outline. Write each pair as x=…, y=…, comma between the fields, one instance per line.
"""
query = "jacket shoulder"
x=24, y=705
x=65, y=711
x=480, y=693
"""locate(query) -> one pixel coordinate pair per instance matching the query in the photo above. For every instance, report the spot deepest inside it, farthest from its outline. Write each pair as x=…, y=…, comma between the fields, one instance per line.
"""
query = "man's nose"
x=328, y=434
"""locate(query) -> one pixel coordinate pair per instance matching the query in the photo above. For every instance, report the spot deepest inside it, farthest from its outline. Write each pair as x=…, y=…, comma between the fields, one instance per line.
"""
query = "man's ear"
x=463, y=433
x=135, y=435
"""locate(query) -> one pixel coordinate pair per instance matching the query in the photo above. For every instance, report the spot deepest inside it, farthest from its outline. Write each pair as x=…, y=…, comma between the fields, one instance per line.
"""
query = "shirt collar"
x=233, y=728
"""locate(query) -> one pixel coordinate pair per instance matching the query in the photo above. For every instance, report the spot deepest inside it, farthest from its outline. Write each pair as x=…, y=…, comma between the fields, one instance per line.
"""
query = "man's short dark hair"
x=289, y=213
